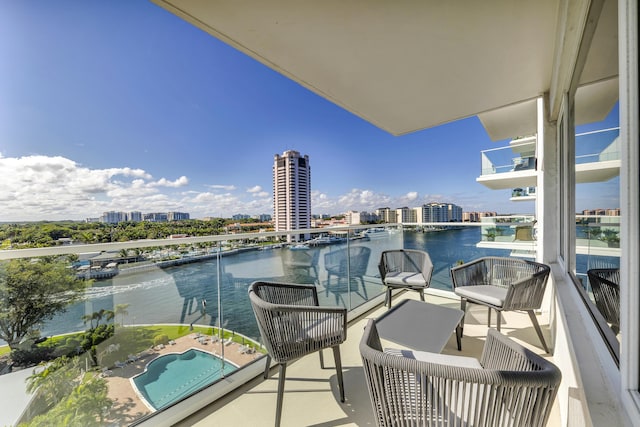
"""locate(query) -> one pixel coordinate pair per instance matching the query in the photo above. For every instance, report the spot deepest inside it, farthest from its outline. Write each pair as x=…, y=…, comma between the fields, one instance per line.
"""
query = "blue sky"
x=120, y=105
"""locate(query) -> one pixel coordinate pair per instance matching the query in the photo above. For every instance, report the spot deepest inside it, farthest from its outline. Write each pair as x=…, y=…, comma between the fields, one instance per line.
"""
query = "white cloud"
x=163, y=182
x=223, y=187
x=413, y=195
x=42, y=187
x=53, y=188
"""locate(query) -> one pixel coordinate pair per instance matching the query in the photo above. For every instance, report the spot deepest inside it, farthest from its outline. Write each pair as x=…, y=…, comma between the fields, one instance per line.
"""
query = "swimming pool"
x=173, y=376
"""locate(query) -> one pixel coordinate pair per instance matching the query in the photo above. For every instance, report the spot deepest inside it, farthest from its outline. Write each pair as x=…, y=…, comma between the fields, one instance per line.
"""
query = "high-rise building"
x=135, y=216
x=292, y=193
x=113, y=217
x=441, y=212
x=386, y=215
x=177, y=216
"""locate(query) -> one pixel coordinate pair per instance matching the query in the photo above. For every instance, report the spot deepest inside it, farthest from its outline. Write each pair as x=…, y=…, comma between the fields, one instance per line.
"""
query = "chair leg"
x=536, y=326
x=321, y=360
x=283, y=370
x=267, y=366
x=336, y=356
x=459, y=337
x=388, y=299
x=364, y=289
x=489, y=318
x=421, y=291
x=463, y=307
x=498, y=318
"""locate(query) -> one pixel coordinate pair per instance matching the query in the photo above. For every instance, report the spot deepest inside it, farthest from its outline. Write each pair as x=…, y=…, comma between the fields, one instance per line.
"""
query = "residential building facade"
x=292, y=192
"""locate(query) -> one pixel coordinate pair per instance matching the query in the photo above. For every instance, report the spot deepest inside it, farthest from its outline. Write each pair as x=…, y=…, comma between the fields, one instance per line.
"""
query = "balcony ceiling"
x=401, y=65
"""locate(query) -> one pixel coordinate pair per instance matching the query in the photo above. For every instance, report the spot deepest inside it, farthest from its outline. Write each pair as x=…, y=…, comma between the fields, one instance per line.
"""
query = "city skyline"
x=160, y=116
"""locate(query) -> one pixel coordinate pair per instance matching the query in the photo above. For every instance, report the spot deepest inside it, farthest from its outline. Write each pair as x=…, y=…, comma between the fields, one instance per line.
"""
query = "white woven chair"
x=508, y=386
x=405, y=268
x=502, y=284
x=293, y=325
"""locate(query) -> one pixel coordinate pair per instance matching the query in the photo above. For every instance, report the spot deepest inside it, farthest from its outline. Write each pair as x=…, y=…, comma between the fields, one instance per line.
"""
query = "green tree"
x=71, y=398
x=97, y=316
x=55, y=381
x=33, y=291
x=121, y=310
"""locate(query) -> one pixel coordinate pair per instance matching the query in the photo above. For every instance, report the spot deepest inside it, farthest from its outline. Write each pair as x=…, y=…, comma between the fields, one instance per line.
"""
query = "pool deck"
x=127, y=403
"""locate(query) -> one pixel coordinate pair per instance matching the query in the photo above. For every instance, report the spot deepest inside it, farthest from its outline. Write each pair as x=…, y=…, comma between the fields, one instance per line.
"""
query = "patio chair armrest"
x=503, y=354
x=526, y=294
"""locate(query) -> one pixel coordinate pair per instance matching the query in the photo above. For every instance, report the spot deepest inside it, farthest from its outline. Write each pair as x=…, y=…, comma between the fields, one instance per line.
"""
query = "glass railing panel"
x=508, y=229
x=449, y=246
x=170, y=298
x=597, y=243
x=523, y=192
x=598, y=247
x=504, y=159
x=598, y=146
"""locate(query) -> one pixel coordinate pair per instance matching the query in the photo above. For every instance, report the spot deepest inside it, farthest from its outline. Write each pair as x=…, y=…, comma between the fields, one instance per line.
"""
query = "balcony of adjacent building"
x=516, y=165
x=516, y=233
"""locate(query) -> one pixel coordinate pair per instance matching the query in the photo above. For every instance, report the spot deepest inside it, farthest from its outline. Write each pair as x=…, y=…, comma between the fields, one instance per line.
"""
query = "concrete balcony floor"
x=311, y=395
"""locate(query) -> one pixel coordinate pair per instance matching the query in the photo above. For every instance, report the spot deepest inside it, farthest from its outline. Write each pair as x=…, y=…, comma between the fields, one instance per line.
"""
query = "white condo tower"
x=292, y=193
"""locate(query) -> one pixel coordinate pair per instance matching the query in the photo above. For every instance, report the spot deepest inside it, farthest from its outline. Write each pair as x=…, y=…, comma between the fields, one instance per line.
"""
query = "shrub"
x=160, y=339
x=31, y=356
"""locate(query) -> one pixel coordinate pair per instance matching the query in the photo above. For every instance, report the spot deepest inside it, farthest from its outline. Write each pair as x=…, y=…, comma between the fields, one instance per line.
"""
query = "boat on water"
x=376, y=233
x=299, y=247
x=326, y=240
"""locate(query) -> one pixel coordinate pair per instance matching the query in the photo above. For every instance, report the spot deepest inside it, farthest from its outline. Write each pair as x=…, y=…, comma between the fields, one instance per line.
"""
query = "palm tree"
x=121, y=309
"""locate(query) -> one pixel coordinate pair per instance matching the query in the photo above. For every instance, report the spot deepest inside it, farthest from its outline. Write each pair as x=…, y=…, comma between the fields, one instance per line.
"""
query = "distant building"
x=406, y=215
x=292, y=193
x=134, y=216
x=352, y=217
x=601, y=212
x=386, y=215
x=156, y=217
x=113, y=217
x=177, y=216
x=441, y=212
x=263, y=217
x=238, y=217
x=470, y=217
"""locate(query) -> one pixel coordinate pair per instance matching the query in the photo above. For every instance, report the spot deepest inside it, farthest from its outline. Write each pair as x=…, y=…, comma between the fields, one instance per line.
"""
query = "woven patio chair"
x=305, y=260
x=508, y=386
x=336, y=262
x=405, y=268
x=292, y=325
x=605, y=283
x=502, y=284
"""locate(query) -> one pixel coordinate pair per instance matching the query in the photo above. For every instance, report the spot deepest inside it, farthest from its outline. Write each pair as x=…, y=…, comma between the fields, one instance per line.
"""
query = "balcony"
x=513, y=232
x=191, y=293
x=597, y=155
x=510, y=167
x=523, y=194
x=597, y=160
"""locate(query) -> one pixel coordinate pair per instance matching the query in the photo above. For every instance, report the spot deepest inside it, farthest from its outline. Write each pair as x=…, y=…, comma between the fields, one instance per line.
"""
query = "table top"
x=419, y=325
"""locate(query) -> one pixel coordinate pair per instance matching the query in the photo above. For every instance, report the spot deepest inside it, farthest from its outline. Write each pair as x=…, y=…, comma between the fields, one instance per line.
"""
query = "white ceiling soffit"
x=402, y=65
x=593, y=103
x=510, y=122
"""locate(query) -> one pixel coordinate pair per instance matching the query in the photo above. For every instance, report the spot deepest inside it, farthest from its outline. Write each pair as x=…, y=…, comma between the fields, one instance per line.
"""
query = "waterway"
x=188, y=294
